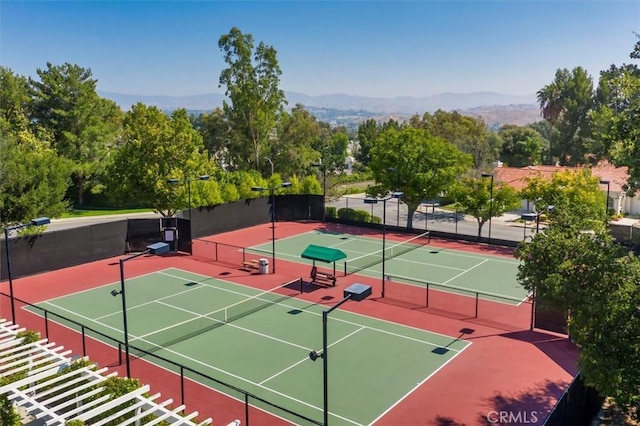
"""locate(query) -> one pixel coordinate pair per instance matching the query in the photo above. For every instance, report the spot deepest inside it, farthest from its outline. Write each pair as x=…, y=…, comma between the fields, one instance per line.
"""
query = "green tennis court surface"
x=260, y=342
x=417, y=264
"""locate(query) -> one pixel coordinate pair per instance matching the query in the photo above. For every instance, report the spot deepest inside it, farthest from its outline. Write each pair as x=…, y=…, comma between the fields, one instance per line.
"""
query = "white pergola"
x=53, y=399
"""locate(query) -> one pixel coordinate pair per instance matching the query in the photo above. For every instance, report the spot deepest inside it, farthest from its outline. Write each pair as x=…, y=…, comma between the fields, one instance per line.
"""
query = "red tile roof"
x=605, y=171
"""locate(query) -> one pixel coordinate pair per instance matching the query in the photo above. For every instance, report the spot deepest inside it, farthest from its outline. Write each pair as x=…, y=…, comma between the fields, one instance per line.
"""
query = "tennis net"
x=368, y=260
x=193, y=327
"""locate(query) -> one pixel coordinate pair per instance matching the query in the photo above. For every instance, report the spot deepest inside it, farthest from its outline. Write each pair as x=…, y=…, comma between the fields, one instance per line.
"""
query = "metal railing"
x=185, y=373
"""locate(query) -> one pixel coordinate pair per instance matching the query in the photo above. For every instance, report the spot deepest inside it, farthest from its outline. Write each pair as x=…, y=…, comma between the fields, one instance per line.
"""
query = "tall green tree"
x=473, y=195
x=521, y=145
x=252, y=82
x=14, y=100
x=550, y=100
x=468, y=134
x=367, y=134
x=33, y=178
x=616, y=119
x=566, y=104
x=84, y=125
x=568, y=189
x=596, y=279
x=299, y=134
x=157, y=148
x=424, y=166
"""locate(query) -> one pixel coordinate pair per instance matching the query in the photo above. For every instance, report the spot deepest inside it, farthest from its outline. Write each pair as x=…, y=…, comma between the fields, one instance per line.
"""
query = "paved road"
x=505, y=227
x=59, y=224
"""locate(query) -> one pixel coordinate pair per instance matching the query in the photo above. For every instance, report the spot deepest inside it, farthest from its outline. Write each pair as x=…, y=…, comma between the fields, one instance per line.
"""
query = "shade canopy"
x=323, y=254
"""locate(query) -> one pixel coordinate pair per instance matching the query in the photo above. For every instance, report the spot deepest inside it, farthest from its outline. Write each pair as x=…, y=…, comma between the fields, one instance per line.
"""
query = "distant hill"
x=349, y=110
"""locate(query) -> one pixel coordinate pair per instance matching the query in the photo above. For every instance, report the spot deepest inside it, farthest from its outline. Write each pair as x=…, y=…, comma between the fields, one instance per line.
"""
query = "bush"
x=346, y=213
x=331, y=212
x=376, y=219
x=361, y=216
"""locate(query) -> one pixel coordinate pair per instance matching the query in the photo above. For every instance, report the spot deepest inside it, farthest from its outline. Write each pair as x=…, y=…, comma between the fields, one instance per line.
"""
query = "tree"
x=84, y=126
x=549, y=98
x=616, y=119
x=252, y=84
x=367, y=134
x=596, y=279
x=299, y=135
x=157, y=148
x=33, y=179
x=522, y=145
x=570, y=190
x=566, y=104
x=468, y=134
x=474, y=196
x=425, y=166
x=14, y=99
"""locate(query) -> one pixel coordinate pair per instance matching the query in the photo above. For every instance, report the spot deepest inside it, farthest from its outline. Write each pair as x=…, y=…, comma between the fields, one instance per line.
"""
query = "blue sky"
x=367, y=48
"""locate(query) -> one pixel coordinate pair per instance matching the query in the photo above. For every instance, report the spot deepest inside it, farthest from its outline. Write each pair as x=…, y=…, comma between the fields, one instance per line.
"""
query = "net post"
x=477, y=298
x=216, y=250
x=301, y=285
x=427, y=298
x=244, y=259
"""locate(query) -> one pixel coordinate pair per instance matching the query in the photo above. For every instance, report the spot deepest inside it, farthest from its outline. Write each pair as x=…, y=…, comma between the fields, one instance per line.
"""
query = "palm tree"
x=549, y=98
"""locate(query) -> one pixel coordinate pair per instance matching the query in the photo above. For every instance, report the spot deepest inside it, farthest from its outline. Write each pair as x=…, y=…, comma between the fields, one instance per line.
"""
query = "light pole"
x=323, y=169
x=397, y=172
x=486, y=175
x=157, y=249
x=273, y=217
x=34, y=222
x=396, y=194
x=355, y=292
x=606, y=211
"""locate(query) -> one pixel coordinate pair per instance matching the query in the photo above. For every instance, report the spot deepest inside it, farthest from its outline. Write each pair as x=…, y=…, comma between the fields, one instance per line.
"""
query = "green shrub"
x=331, y=212
x=74, y=423
x=376, y=219
x=346, y=213
x=361, y=216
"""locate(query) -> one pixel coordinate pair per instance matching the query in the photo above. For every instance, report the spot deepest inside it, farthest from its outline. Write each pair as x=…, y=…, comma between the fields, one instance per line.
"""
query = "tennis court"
x=413, y=262
x=260, y=341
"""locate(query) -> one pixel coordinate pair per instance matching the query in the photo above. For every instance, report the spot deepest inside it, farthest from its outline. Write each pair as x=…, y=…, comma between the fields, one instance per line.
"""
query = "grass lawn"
x=100, y=212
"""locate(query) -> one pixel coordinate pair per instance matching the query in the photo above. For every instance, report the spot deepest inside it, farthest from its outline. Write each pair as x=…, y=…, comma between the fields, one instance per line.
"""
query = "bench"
x=323, y=277
x=250, y=265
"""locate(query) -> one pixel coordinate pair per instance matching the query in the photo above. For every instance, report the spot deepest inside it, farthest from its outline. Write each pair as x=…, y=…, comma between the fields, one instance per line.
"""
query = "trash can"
x=263, y=266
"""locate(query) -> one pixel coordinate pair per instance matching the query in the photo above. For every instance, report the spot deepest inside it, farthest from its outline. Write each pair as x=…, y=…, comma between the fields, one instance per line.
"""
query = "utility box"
x=263, y=266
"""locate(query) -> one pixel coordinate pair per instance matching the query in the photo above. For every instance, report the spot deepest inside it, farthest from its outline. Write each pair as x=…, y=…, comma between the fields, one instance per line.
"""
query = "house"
x=612, y=180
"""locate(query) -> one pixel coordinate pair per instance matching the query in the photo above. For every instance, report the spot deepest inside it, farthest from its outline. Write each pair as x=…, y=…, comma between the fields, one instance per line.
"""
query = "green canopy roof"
x=323, y=254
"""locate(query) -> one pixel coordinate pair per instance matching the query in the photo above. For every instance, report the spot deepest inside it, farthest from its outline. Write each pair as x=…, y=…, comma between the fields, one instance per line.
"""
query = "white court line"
x=346, y=321
x=307, y=357
x=235, y=376
x=462, y=273
x=109, y=284
x=417, y=386
x=81, y=316
x=228, y=395
x=119, y=312
x=227, y=323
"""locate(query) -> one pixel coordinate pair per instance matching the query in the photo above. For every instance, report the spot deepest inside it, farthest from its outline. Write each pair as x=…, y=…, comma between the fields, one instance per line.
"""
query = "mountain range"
x=340, y=109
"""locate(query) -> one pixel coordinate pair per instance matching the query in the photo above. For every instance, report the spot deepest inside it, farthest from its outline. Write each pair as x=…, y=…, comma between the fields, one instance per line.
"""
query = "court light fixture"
x=356, y=292
x=490, y=175
x=40, y=221
x=155, y=249
x=273, y=217
x=371, y=200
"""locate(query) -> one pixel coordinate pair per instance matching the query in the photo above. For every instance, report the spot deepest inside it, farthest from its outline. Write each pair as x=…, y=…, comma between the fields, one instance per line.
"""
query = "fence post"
x=246, y=409
x=182, y=384
x=46, y=324
x=84, y=342
x=427, y=298
x=477, y=297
